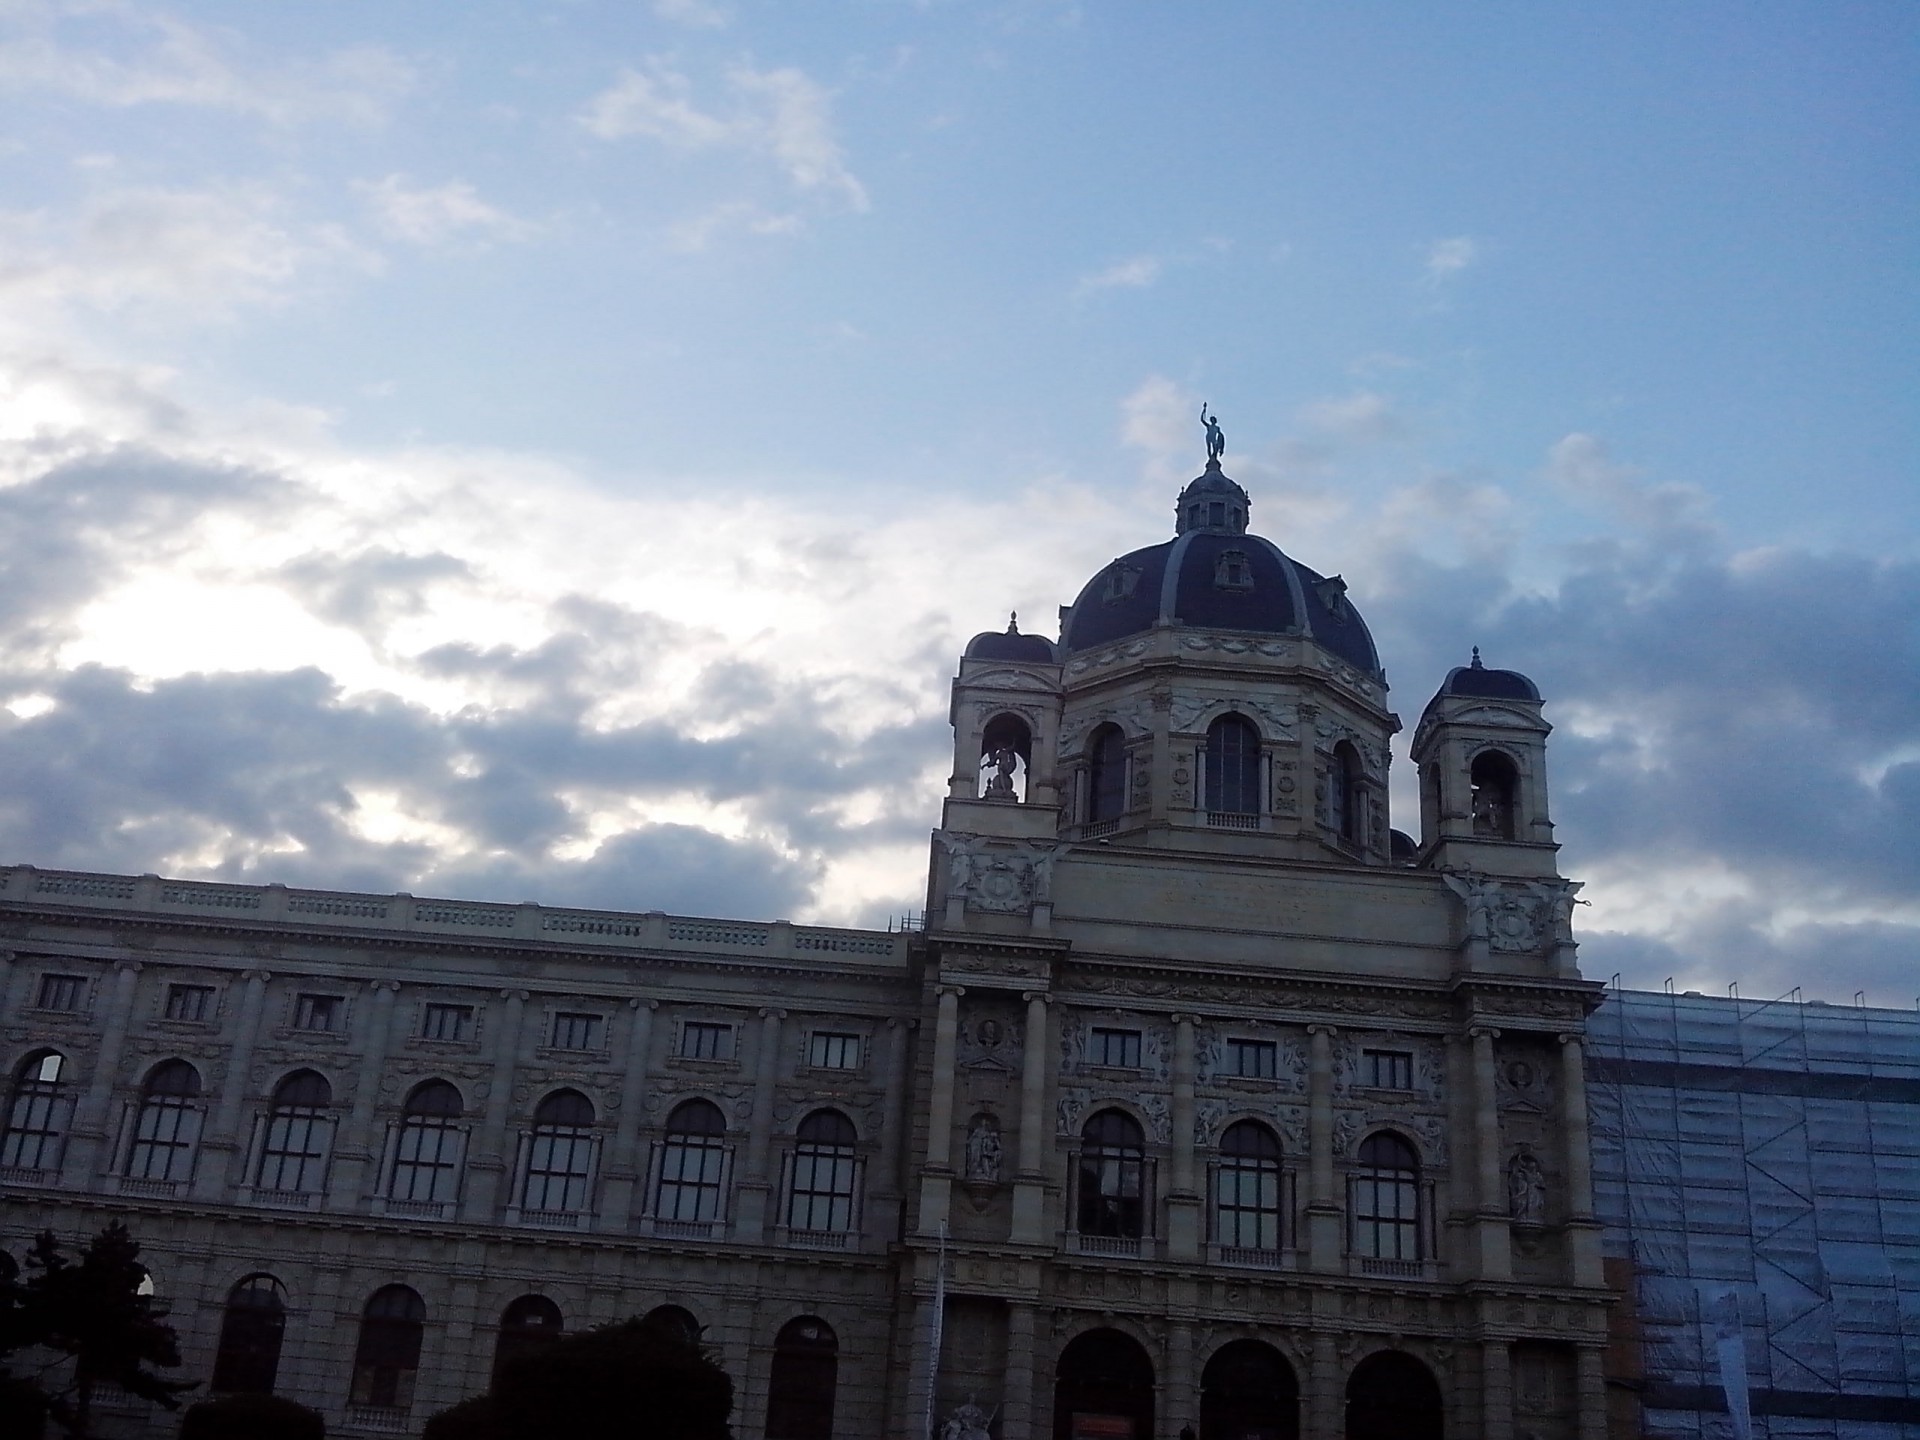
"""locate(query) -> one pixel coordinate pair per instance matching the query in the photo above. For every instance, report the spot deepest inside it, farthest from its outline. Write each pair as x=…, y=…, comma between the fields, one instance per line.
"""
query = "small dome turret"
x=1212, y=502
x=1010, y=644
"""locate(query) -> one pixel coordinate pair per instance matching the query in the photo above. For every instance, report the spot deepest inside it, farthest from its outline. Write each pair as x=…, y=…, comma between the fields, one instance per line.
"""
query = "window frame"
x=386, y=1352
x=560, y=1153
x=166, y=1126
x=61, y=993
x=694, y=1035
x=434, y=1014
x=1231, y=774
x=824, y=1176
x=1112, y=1197
x=307, y=1125
x=1265, y=1166
x=250, y=1353
x=1241, y=1046
x=188, y=1003
x=595, y=1031
x=310, y=1006
x=442, y=1168
x=830, y=1049
x=1374, y=1224
x=1100, y=1043
x=1396, y=1065
x=691, y=1174
x=39, y=1110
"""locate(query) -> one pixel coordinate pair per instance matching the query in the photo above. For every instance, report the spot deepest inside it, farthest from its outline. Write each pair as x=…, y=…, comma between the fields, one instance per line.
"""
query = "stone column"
x=755, y=1190
x=624, y=1166
x=222, y=1157
x=491, y=1187
x=19, y=975
x=1030, y=1180
x=1492, y=1221
x=1590, y=1386
x=356, y=1166
x=1583, y=1230
x=1496, y=1391
x=1323, y=1207
x=1325, y=1402
x=1179, y=1401
x=1020, y=1406
x=892, y=1170
x=1184, y=1199
x=91, y=1136
x=936, y=1180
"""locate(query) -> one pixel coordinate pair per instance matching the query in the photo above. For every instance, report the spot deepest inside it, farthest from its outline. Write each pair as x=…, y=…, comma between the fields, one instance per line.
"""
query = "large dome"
x=1214, y=576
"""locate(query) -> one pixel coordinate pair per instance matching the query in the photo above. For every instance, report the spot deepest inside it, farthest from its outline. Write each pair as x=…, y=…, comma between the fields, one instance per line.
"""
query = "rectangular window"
x=833, y=1050
x=576, y=1030
x=318, y=1012
x=1387, y=1069
x=189, y=1002
x=1118, y=1048
x=706, y=1040
x=1254, y=1059
x=446, y=1022
x=61, y=992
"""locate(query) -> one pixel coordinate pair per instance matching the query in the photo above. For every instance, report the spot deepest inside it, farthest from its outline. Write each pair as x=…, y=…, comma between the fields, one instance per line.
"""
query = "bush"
x=476, y=1418
x=23, y=1410
x=252, y=1417
x=636, y=1378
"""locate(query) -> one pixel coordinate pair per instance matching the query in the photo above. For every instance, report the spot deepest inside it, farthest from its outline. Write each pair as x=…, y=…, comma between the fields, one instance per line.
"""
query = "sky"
x=558, y=451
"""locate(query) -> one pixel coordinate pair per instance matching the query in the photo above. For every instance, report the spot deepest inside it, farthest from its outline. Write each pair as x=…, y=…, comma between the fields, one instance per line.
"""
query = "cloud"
x=1447, y=258
x=429, y=216
x=779, y=114
x=1583, y=468
x=1134, y=274
x=1365, y=417
x=254, y=656
x=196, y=254
x=159, y=59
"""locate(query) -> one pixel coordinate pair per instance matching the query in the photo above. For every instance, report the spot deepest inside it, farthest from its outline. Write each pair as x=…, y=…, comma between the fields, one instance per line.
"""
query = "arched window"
x=293, y=1156
x=1006, y=759
x=1103, y=1385
x=166, y=1124
x=1392, y=1396
x=1249, y=1389
x=1106, y=775
x=560, y=1154
x=1113, y=1162
x=1386, y=1199
x=800, y=1390
x=527, y=1324
x=1247, y=1210
x=693, y=1162
x=1233, y=767
x=249, y=1356
x=1345, y=799
x=427, y=1150
x=675, y=1319
x=825, y=1173
x=37, y=1113
x=388, y=1355
x=1496, y=786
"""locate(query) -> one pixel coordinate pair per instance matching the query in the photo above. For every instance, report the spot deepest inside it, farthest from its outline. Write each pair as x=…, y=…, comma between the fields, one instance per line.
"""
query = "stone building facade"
x=1204, y=1098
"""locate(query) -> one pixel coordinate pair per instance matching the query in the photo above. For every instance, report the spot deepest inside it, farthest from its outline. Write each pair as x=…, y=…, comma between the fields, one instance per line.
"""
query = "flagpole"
x=938, y=1329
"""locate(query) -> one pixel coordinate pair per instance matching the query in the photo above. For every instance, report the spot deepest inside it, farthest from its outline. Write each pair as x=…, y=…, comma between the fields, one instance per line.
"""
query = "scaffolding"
x=1757, y=1165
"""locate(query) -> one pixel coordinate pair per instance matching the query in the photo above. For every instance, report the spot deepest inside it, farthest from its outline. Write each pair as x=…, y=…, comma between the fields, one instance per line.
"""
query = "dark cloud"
x=369, y=591
x=68, y=531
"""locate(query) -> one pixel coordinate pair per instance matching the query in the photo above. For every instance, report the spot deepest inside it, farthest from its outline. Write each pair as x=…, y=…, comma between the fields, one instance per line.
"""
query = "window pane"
x=704, y=1040
x=833, y=1051
x=189, y=1002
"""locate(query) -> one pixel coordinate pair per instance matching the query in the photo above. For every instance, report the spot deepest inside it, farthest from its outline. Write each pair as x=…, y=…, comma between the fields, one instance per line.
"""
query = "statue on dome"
x=1216, y=437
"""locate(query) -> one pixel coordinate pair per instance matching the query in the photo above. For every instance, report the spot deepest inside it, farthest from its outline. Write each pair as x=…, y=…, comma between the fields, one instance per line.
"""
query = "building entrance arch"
x=1392, y=1396
x=1103, y=1389
x=1248, y=1392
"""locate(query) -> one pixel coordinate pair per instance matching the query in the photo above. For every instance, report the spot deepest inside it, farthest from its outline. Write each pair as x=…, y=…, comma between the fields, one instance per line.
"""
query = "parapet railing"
x=335, y=910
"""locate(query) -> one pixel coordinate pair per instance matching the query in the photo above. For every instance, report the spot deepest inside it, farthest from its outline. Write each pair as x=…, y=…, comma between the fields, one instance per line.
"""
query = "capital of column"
x=944, y=991
x=1322, y=1029
x=641, y=1002
x=772, y=1012
x=1032, y=995
x=520, y=995
x=129, y=967
x=1484, y=1032
x=257, y=977
x=1571, y=1040
x=376, y=986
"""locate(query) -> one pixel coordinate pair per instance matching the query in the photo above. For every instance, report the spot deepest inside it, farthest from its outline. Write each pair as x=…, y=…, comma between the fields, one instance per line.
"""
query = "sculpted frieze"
x=1517, y=917
x=998, y=875
x=1008, y=680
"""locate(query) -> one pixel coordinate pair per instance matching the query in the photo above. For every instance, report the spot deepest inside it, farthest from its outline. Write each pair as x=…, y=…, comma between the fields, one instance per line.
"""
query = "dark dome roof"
x=1476, y=679
x=1217, y=580
x=1010, y=644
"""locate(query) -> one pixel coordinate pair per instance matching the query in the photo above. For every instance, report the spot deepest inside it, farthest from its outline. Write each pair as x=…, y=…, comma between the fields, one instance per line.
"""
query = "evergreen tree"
x=93, y=1313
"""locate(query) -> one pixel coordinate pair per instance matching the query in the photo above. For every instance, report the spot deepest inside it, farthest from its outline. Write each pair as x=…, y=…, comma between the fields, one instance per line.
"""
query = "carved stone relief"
x=1518, y=917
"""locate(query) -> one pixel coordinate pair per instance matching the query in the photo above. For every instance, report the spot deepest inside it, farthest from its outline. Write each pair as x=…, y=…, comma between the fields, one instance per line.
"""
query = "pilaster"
x=87, y=1158
x=1029, y=1182
x=753, y=1212
x=1491, y=1220
x=1183, y=1200
x=936, y=1180
x=1323, y=1210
